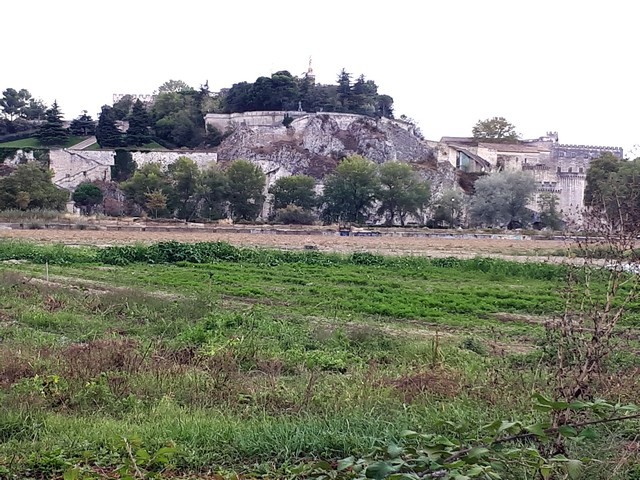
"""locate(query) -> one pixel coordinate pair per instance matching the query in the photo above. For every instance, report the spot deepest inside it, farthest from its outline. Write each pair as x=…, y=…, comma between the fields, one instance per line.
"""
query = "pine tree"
x=139, y=123
x=52, y=132
x=107, y=133
x=83, y=125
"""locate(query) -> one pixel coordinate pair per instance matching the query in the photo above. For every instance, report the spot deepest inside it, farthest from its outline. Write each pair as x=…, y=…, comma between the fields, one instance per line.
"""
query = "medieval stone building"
x=557, y=168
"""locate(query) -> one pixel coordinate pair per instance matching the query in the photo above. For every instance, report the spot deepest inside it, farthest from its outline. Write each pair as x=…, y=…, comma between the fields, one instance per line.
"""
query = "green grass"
x=147, y=146
x=256, y=359
x=33, y=142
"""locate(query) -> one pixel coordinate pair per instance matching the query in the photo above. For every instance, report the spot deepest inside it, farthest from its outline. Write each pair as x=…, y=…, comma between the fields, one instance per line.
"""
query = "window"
x=570, y=169
x=581, y=170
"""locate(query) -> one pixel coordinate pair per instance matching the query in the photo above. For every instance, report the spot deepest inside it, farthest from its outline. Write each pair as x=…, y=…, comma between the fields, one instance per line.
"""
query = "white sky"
x=545, y=65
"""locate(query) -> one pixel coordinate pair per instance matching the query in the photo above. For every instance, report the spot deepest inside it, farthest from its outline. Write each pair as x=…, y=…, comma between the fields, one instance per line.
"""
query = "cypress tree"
x=139, y=123
x=52, y=132
x=107, y=133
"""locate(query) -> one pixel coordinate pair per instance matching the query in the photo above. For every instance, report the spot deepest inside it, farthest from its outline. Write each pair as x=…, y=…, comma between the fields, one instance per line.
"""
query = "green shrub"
x=294, y=215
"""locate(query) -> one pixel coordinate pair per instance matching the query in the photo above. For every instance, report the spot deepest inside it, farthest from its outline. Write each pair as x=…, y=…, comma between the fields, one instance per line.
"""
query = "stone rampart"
x=167, y=157
x=72, y=167
x=228, y=121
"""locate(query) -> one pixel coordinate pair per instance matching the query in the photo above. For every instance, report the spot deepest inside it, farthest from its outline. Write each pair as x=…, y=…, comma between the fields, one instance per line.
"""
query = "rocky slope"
x=314, y=145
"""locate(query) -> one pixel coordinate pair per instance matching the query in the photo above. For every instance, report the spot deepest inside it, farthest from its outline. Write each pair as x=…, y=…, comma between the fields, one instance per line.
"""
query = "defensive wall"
x=72, y=167
x=229, y=121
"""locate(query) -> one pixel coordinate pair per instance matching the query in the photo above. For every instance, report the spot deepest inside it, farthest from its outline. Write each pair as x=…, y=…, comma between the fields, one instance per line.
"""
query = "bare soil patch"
x=388, y=245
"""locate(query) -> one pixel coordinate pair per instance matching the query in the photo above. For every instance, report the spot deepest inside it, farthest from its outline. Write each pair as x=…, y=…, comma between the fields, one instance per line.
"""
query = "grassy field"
x=202, y=360
x=33, y=142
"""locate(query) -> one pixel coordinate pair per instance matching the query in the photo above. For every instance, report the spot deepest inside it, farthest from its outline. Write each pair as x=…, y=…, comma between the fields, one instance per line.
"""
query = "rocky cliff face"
x=314, y=144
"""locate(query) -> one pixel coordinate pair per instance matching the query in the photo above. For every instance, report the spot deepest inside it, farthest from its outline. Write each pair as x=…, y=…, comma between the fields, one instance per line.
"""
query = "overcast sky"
x=562, y=65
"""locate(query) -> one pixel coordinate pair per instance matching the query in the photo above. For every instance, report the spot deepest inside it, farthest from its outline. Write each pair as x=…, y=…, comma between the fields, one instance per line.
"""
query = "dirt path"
x=389, y=245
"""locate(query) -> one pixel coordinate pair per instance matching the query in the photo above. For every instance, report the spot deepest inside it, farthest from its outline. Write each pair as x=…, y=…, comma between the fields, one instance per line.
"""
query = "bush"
x=474, y=345
x=293, y=215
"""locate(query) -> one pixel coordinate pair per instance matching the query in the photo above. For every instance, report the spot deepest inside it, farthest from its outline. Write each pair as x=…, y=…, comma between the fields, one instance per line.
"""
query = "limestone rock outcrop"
x=315, y=143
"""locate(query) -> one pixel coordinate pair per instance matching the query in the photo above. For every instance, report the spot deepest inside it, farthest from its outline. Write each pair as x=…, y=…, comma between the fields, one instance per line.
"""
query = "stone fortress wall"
x=72, y=167
x=557, y=168
x=228, y=121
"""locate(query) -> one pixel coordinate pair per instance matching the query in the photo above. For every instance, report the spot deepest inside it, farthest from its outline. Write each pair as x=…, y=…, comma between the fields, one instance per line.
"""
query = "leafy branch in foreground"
x=502, y=449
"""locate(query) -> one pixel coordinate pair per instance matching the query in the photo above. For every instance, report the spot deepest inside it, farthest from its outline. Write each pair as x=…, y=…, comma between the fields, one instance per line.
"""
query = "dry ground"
x=390, y=245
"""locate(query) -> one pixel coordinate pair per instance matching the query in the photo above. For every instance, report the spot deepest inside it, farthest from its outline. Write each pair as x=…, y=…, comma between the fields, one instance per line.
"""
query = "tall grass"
x=31, y=215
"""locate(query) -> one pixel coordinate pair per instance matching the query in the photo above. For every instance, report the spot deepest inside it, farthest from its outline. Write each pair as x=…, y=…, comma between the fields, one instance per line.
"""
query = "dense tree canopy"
x=502, y=198
x=298, y=190
x=83, y=125
x=185, y=180
x=402, y=192
x=350, y=191
x=151, y=177
x=13, y=102
x=496, y=128
x=283, y=91
x=178, y=119
x=29, y=186
x=613, y=190
x=87, y=196
x=246, y=183
x=212, y=193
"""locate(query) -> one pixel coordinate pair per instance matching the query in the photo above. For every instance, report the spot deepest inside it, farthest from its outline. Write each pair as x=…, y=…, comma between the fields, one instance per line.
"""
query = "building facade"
x=557, y=168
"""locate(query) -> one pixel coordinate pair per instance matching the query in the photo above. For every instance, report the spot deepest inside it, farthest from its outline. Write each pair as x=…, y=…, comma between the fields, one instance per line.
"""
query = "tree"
x=84, y=125
x=449, y=208
x=298, y=190
x=35, y=110
x=148, y=178
x=402, y=192
x=549, y=216
x=212, y=193
x=52, y=132
x=13, y=102
x=87, y=196
x=180, y=129
x=29, y=186
x=139, y=123
x=177, y=118
x=501, y=199
x=122, y=108
x=364, y=95
x=349, y=192
x=123, y=166
x=612, y=192
x=174, y=86
x=238, y=98
x=107, y=134
x=285, y=91
x=496, y=128
x=185, y=179
x=344, y=89
x=246, y=186
x=155, y=201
